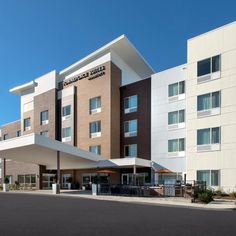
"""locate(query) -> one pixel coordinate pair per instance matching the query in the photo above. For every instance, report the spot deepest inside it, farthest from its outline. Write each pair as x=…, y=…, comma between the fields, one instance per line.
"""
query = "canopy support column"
x=56, y=186
x=3, y=173
x=58, y=168
x=134, y=174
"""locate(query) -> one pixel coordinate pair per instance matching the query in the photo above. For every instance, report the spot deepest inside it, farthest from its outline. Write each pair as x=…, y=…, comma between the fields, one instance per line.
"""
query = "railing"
x=123, y=190
x=187, y=190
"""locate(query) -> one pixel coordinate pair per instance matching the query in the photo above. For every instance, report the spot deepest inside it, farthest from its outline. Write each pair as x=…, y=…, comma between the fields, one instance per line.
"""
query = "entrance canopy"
x=127, y=162
x=38, y=149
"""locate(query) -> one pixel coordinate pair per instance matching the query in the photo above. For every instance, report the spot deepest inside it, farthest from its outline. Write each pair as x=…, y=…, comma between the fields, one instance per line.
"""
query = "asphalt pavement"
x=24, y=214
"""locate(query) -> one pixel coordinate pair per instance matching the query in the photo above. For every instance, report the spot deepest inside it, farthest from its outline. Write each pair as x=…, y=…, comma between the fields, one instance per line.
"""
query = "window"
x=6, y=136
x=210, y=176
x=130, y=150
x=176, y=117
x=95, y=105
x=89, y=178
x=130, y=128
x=66, y=132
x=208, y=101
x=95, y=149
x=95, y=129
x=66, y=111
x=215, y=66
x=176, y=89
x=18, y=133
x=44, y=117
x=214, y=177
x=181, y=87
x=131, y=104
x=204, y=67
x=208, y=66
x=27, y=124
x=27, y=179
x=44, y=133
x=140, y=179
x=208, y=136
x=176, y=145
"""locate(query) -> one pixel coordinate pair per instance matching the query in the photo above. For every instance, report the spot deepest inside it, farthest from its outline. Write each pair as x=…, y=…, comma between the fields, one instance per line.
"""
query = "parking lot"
x=25, y=214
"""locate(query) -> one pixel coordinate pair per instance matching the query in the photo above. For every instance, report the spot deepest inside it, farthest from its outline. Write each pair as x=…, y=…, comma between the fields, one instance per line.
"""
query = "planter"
x=94, y=189
x=5, y=187
x=56, y=188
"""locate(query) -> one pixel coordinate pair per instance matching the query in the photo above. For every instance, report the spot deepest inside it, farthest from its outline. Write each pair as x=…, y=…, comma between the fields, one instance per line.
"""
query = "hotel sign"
x=92, y=74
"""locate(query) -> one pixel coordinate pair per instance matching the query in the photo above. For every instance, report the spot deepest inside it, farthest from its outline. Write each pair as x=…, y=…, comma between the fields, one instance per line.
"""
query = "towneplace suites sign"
x=93, y=74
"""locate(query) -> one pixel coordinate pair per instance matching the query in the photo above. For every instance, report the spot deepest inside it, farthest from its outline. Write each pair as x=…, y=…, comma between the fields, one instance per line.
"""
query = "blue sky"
x=39, y=36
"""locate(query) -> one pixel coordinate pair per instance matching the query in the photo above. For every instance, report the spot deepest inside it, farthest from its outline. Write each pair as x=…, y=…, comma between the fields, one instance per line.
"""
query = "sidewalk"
x=170, y=201
x=218, y=204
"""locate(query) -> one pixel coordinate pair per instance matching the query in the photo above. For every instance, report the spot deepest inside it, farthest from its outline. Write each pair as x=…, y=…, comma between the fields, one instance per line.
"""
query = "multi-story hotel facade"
x=91, y=106
x=211, y=107
x=111, y=114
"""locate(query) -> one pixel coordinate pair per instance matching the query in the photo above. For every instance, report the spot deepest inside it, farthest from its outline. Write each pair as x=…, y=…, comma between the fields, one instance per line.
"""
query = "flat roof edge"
x=213, y=30
x=105, y=48
x=140, y=55
x=18, y=89
x=92, y=54
x=8, y=123
x=184, y=66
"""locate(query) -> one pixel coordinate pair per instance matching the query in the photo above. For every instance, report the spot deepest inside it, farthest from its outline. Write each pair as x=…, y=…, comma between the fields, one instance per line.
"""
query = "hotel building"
x=91, y=106
x=111, y=114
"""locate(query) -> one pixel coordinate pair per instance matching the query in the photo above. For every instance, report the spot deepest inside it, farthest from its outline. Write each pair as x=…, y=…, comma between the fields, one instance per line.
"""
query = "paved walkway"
x=218, y=204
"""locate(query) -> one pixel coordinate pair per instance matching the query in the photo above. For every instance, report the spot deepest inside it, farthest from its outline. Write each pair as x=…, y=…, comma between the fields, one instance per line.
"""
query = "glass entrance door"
x=125, y=179
x=48, y=180
x=66, y=180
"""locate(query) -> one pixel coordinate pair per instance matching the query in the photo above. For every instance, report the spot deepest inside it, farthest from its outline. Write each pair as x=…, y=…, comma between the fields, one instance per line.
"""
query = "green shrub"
x=6, y=180
x=206, y=196
x=14, y=187
x=220, y=192
x=232, y=194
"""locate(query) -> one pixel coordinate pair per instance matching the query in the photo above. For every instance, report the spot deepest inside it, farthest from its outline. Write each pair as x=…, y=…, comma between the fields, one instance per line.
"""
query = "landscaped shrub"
x=14, y=187
x=220, y=192
x=232, y=194
x=206, y=196
x=6, y=180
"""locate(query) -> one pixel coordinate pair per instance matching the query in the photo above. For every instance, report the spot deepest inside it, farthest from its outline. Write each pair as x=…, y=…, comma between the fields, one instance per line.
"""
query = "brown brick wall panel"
x=143, y=115
x=43, y=102
x=87, y=89
x=28, y=114
x=11, y=129
x=115, y=111
x=108, y=88
x=15, y=168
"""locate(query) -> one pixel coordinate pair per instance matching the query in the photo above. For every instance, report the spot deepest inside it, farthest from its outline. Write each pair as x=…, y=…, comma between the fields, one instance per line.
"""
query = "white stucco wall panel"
x=220, y=41
x=160, y=106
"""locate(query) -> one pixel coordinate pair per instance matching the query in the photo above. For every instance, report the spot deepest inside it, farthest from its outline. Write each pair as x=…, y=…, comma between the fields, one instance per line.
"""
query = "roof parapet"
x=19, y=89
